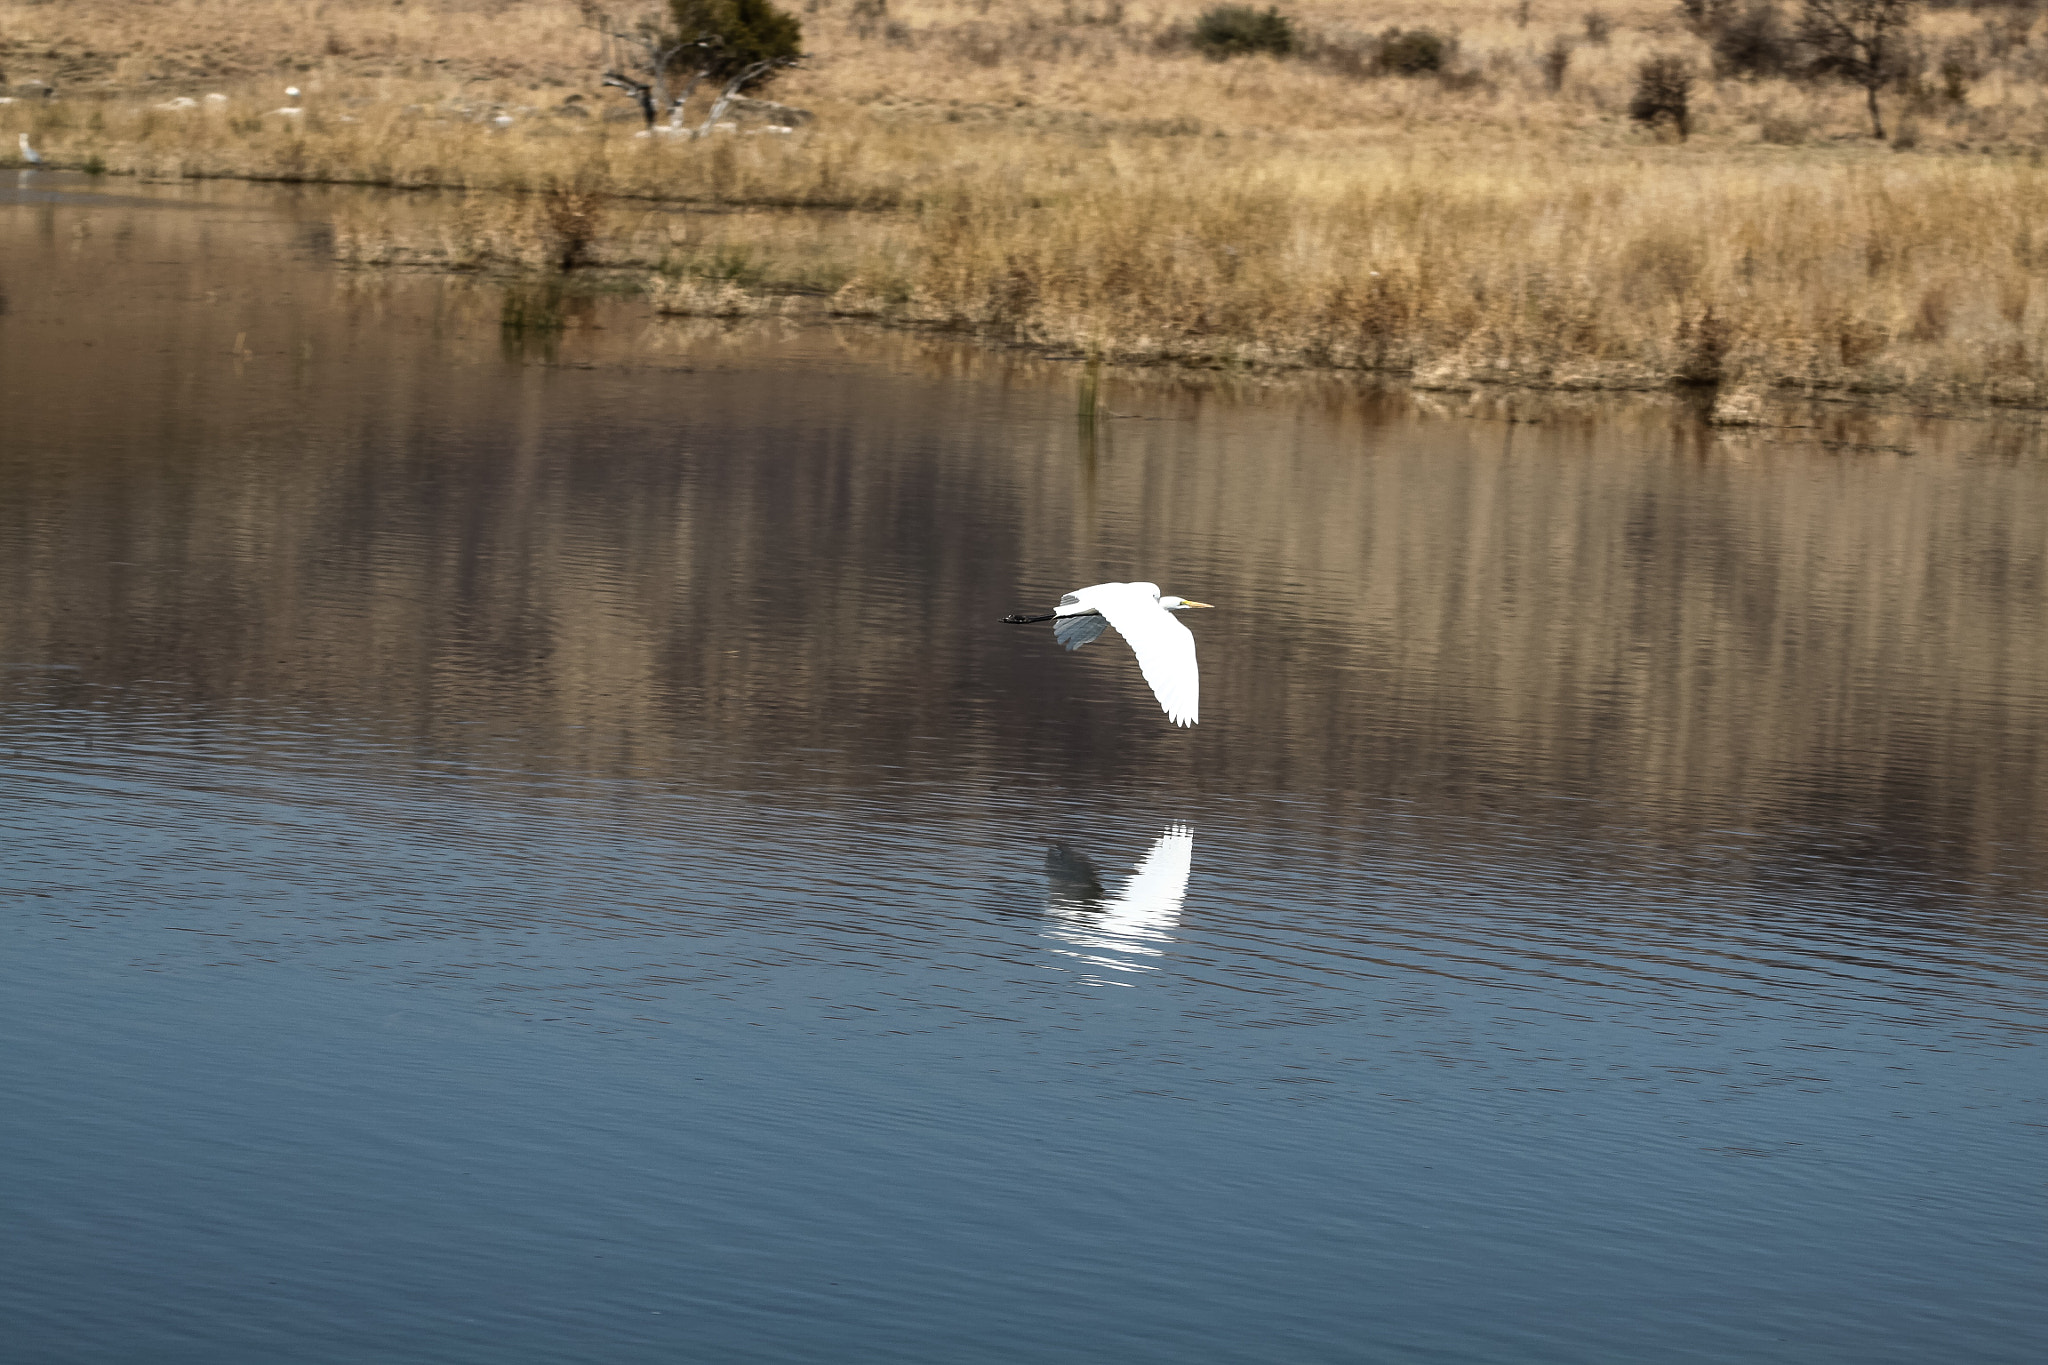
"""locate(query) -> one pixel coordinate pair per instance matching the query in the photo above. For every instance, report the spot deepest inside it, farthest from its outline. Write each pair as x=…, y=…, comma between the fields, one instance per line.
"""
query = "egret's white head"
x=1182, y=604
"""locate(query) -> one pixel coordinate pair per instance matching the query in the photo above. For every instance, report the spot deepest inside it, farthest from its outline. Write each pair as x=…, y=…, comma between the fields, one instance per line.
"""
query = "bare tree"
x=1862, y=41
x=640, y=57
x=746, y=76
x=661, y=55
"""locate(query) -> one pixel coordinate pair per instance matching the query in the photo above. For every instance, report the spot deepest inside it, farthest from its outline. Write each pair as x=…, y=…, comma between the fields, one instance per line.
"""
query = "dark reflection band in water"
x=771, y=561
x=366, y=512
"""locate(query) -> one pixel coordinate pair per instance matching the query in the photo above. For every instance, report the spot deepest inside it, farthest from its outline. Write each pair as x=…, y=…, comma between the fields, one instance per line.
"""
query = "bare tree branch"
x=1862, y=41
x=639, y=58
x=646, y=58
x=746, y=77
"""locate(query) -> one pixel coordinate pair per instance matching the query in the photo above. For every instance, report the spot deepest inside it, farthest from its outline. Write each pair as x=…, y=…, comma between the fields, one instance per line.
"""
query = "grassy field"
x=1072, y=174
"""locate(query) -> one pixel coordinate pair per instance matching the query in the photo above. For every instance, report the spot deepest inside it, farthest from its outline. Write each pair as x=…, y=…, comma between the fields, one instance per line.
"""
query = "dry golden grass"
x=1067, y=174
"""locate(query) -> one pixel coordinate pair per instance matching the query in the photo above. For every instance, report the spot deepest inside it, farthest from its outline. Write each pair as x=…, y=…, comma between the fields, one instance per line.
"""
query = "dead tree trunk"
x=640, y=59
x=1862, y=41
x=643, y=57
x=732, y=90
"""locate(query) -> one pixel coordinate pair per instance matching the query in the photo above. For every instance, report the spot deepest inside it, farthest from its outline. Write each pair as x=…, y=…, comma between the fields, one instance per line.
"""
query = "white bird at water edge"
x=1165, y=648
x=30, y=154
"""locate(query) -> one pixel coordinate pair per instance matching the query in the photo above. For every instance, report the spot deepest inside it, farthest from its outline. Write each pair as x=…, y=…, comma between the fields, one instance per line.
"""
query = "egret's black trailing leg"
x=1028, y=620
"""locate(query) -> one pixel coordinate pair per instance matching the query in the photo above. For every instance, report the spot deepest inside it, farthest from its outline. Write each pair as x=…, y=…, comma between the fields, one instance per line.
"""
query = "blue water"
x=546, y=864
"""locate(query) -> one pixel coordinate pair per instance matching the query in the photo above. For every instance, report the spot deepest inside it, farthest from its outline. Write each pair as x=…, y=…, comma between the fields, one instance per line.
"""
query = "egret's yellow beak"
x=1210, y=605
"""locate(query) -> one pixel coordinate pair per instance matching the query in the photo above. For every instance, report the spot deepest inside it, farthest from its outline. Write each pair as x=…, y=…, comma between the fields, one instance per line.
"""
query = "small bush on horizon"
x=1704, y=17
x=1239, y=31
x=1959, y=70
x=1414, y=52
x=1554, y=61
x=741, y=32
x=1754, y=42
x=1663, y=93
x=572, y=214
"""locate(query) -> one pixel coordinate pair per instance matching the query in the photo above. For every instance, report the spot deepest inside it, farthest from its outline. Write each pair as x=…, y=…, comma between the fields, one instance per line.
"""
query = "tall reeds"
x=1080, y=177
x=1887, y=277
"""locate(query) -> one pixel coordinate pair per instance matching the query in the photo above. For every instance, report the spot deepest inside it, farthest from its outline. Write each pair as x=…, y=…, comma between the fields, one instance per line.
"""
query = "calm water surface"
x=535, y=848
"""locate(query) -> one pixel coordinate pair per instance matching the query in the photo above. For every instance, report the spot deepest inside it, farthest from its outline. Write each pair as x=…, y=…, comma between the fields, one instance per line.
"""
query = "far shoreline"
x=1482, y=227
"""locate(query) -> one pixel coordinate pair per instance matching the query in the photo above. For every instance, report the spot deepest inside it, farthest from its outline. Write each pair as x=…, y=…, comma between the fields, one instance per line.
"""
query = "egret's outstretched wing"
x=1165, y=648
x=1075, y=631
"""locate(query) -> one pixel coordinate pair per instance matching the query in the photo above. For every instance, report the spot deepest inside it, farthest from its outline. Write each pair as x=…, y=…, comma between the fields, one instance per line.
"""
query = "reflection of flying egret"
x=28, y=153
x=1165, y=648
x=1137, y=919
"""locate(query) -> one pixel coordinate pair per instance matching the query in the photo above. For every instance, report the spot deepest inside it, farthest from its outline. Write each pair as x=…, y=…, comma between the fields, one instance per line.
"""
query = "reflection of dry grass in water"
x=1065, y=174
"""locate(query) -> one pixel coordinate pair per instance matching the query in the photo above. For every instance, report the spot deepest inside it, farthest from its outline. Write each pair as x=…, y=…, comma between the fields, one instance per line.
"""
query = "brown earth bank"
x=1076, y=175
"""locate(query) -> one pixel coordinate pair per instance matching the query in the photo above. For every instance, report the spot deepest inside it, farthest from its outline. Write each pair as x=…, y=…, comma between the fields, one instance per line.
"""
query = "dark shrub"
x=1553, y=62
x=573, y=215
x=1959, y=70
x=1703, y=17
x=1414, y=52
x=743, y=31
x=1240, y=30
x=2000, y=38
x=1755, y=42
x=1663, y=93
x=1599, y=28
x=1703, y=346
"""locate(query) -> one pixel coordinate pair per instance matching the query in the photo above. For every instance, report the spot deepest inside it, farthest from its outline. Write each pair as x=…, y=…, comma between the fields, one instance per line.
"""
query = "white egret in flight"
x=1165, y=648
x=30, y=154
